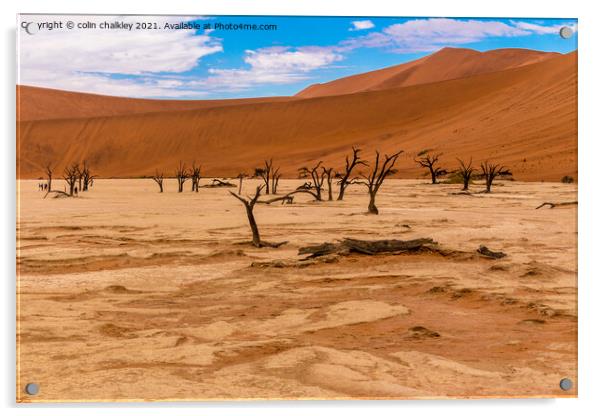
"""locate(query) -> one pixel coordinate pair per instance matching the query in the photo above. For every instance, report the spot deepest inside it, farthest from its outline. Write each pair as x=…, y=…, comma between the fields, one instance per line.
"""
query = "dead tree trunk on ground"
x=377, y=176
x=429, y=161
x=557, y=204
x=181, y=176
x=158, y=177
x=345, y=178
x=465, y=172
x=491, y=171
x=351, y=245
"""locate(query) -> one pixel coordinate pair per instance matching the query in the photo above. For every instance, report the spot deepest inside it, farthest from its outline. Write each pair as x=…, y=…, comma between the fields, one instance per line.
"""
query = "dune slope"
x=446, y=64
x=34, y=103
x=524, y=117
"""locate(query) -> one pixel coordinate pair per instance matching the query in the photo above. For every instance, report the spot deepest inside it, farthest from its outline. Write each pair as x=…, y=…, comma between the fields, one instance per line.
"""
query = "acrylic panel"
x=273, y=207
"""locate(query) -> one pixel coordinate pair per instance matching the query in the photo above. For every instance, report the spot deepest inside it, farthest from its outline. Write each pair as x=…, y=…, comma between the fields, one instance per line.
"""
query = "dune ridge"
x=445, y=64
x=524, y=117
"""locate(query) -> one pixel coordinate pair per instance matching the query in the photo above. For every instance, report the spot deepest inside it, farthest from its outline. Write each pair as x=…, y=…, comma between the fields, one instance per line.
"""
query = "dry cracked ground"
x=128, y=294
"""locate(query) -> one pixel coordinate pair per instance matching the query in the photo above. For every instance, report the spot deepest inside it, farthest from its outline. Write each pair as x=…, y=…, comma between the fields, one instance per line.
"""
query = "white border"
x=590, y=278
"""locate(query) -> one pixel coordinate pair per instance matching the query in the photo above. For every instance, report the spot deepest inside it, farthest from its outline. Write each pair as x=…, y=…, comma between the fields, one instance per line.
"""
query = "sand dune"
x=446, y=64
x=34, y=103
x=524, y=117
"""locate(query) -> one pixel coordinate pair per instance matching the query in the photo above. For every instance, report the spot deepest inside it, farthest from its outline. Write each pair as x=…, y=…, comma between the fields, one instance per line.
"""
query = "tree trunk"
x=240, y=185
x=372, y=205
x=341, y=191
x=488, y=183
x=160, y=187
x=253, y=224
x=466, y=181
x=433, y=177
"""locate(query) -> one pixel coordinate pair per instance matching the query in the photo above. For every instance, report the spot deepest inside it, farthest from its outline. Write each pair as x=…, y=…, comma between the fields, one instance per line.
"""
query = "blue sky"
x=220, y=63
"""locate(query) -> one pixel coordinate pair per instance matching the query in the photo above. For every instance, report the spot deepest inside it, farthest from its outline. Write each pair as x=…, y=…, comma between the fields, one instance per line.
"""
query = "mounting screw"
x=32, y=389
x=566, y=32
x=566, y=384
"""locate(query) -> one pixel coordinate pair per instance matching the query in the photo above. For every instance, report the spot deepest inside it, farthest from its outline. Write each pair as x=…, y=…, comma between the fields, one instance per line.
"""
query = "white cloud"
x=423, y=35
x=543, y=30
x=116, y=62
x=274, y=65
x=361, y=25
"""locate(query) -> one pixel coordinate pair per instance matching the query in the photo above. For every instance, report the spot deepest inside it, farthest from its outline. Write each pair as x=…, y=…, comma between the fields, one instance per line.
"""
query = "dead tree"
x=241, y=176
x=345, y=178
x=275, y=179
x=49, y=176
x=465, y=171
x=317, y=180
x=265, y=173
x=377, y=176
x=87, y=177
x=195, y=177
x=71, y=176
x=158, y=177
x=181, y=176
x=490, y=171
x=249, y=204
x=327, y=174
x=429, y=161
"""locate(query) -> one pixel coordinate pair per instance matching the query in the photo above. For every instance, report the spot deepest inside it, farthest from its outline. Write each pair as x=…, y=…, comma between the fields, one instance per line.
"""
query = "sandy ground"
x=128, y=294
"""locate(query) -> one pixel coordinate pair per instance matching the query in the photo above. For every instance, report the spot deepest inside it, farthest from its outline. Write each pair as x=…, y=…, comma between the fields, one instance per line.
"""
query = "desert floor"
x=128, y=294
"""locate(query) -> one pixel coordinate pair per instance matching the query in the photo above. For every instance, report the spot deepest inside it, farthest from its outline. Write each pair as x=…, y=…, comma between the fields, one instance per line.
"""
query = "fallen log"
x=59, y=194
x=350, y=245
x=286, y=199
x=484, y=251
x=216, y=183
x=556, y=204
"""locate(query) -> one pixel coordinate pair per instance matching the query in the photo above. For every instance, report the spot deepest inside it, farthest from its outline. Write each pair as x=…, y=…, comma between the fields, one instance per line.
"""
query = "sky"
x=247, y=56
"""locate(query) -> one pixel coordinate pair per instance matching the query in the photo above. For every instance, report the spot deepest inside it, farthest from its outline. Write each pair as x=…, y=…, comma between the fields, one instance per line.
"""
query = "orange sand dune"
x=446, y=64
x=524, y=117
x=35, y=103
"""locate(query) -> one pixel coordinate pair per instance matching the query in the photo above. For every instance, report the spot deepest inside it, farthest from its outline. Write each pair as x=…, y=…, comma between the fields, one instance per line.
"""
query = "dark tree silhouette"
x=275, y=179
x=86, y=177
x=327, y=174
x=195, y=177
x=377, y=176
x=265, y=173
x=345, y=178
x=465, y=171
x=158, y=177
x=249, y=204
x=490, y=171
x=49, y=176
x=429, y=161
x=181, y=176
x=71, y=176
x=241, y=176
x=317, y=180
